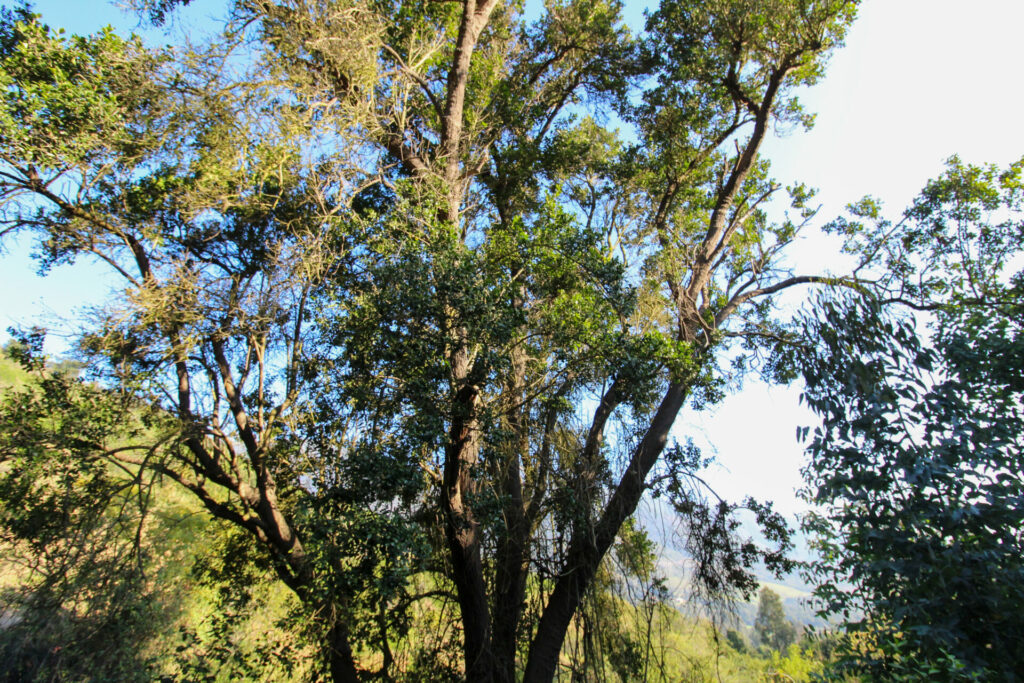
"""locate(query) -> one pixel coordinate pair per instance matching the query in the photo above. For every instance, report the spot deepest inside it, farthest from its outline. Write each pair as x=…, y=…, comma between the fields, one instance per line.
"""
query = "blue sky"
x=918, y=81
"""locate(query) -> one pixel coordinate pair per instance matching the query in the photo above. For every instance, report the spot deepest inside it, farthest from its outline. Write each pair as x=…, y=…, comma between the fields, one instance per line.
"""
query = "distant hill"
x=675, y=567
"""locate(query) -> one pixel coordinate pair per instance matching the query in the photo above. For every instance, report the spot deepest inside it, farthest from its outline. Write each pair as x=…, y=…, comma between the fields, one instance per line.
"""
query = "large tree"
x=418, y=289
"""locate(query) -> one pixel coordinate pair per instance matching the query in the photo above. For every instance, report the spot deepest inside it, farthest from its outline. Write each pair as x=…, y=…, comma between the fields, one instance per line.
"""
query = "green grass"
x=11, y=374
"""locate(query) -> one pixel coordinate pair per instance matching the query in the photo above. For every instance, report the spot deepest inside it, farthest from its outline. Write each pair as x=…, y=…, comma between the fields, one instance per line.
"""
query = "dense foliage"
x=413, y=292
x=917, y=466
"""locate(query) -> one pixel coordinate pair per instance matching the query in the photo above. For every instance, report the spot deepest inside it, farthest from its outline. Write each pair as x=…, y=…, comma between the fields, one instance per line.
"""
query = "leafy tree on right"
x=916, y=469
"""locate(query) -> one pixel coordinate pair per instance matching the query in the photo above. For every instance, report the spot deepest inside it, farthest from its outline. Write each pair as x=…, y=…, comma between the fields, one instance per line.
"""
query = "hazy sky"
x=918, y=81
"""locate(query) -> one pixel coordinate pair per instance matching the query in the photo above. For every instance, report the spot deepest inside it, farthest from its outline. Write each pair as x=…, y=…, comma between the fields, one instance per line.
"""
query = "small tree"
x=736, y=640
x=771, y=626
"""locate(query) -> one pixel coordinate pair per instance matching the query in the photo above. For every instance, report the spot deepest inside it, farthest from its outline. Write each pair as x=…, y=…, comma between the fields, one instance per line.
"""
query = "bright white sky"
x=918, y=81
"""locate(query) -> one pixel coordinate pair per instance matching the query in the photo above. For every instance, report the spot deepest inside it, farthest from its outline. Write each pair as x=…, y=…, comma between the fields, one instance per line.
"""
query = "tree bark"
x=462, y=530
x=510, y=581
x=340, y=658
x=514, y=534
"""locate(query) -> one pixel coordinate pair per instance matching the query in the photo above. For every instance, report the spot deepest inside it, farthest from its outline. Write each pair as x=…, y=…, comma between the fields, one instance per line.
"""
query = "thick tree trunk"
x=463, y=535
x=509, y=591
x=514, y=533
x=510, y=574
x=462, y=530
x=340, y=658
x=586, y=551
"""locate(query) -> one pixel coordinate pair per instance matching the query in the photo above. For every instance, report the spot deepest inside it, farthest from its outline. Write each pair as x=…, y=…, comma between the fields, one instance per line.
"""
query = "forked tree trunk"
x=585, y=553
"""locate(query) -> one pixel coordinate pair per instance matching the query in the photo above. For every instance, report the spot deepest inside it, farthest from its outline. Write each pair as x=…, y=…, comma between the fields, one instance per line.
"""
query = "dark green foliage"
x=43, y=642
x=70, y=524
x=918, y=460
x=736, y=640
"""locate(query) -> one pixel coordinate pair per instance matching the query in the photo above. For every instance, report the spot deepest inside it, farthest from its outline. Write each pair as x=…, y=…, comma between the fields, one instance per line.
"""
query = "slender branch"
x=740, y=299
x=424, y=86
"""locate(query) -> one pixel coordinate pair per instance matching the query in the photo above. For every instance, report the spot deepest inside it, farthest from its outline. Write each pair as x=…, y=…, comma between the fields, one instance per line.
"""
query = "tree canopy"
x=413, y=292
